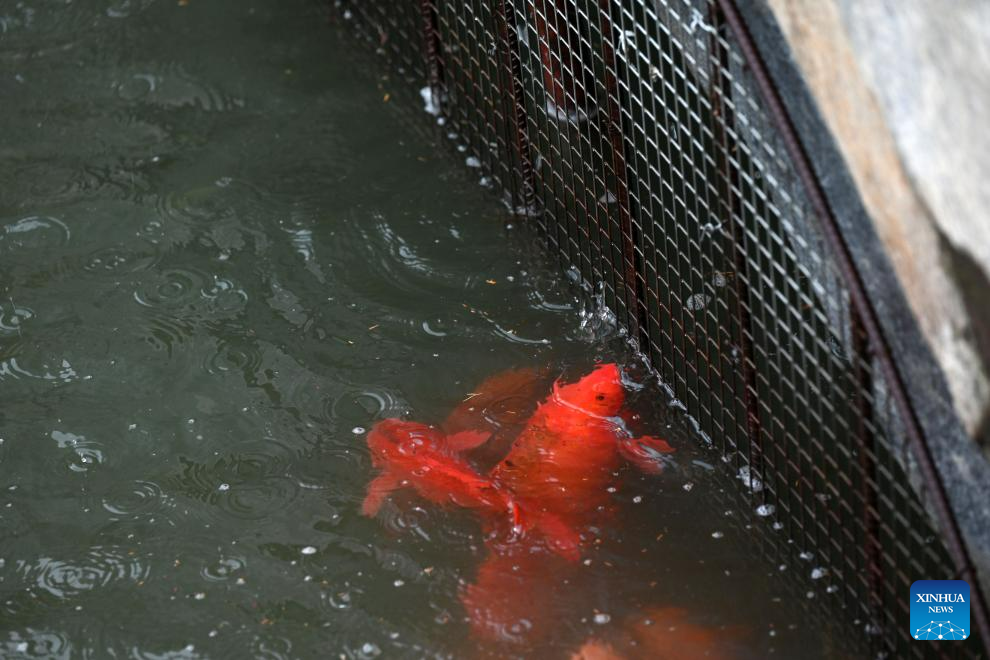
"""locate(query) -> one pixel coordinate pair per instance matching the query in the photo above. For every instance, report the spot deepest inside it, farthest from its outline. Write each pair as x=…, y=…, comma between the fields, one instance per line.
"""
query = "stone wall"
x=904, y=86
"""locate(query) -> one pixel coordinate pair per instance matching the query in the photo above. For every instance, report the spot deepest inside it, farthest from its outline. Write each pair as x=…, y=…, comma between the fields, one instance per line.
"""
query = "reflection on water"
x=223, y=259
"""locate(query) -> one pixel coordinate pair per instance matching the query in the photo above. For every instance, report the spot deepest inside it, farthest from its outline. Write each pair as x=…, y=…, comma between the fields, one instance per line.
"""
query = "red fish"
x=552, y=485
x=563, y=461
x=566, y=455
x=422, y=458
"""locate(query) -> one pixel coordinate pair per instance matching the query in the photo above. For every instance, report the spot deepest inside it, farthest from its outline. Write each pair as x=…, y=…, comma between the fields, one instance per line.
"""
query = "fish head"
x=396, y=440
x=599, y=393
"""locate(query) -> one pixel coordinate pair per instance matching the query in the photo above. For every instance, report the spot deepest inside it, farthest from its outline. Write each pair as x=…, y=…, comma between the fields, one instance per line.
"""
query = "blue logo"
x=940, y=609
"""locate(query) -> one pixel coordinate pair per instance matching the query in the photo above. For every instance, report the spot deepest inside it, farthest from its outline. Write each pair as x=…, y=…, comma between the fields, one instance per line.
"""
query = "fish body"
x=563, y=462
x=567, y=454
x=552, y=486
x=425, y=460
x=422, y=458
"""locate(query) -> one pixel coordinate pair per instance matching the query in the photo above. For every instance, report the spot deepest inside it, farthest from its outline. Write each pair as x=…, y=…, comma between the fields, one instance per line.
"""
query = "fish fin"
x=644, y=452
x=511, y=394
x=560, y=538
x=467, y=440
x=378, y=490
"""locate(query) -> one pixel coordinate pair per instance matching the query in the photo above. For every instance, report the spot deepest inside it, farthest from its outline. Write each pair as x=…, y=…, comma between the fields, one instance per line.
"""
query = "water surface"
x=223, y=256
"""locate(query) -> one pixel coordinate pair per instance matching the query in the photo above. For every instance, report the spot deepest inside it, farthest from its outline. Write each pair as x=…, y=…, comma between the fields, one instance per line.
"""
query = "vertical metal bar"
x=862, y=355
x=512, y=67
x=728, y=188
x=912, y=426
x=433, y=48
x=635, y=311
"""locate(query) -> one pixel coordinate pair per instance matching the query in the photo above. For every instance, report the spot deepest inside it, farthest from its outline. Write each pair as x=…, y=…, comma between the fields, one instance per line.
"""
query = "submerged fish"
x=567, y=453
x=552, y=486
x=563, y=462
x=422, y=458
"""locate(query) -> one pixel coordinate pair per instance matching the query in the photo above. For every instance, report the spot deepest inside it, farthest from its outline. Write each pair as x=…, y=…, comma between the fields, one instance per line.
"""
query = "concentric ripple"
x=80, y=454
x=99, y=568
x=36, y=232
x=31, y=643
x=223, y=569
x=245, y=486
x=13, y=318
x=233, y=355
x=138, y=499
x=361, y=406
x=169, y=288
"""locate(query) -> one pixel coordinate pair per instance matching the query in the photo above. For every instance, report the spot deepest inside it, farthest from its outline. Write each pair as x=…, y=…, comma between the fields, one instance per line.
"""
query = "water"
x=223, y=257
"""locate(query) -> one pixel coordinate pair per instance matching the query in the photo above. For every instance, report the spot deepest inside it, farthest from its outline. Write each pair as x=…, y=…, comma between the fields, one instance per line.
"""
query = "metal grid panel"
x=634, y=134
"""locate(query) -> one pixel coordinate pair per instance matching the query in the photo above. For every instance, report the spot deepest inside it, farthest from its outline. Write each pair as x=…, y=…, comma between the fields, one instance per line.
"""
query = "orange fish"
x=563, y=462
x=566, y=455
x=422, y=458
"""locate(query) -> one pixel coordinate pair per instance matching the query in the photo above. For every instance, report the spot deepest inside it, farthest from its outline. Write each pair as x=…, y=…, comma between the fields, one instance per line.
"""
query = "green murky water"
x=223, y=256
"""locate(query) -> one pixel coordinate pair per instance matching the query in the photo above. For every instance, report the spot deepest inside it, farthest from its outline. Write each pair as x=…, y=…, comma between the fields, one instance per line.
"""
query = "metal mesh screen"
x=634, y=134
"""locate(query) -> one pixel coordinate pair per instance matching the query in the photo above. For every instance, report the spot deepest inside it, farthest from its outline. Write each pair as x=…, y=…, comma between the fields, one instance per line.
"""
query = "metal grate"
x=643, y=139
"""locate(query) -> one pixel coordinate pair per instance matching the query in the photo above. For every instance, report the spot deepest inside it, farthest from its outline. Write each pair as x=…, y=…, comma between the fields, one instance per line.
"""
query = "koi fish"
x=563, y=461
x=421, y=457
x=567, y=453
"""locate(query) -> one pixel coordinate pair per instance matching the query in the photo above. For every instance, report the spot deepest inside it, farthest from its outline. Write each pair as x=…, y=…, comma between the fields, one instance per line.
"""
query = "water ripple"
x=31, y=643
x=223, y=569
x=102, y=565
x=362, y=406
x=34, y=233
x=233, y=355
x=114, y=260
x=82, y=454
x=13, y=317
x=247, y=486
x=169, y=288
x=138, y=499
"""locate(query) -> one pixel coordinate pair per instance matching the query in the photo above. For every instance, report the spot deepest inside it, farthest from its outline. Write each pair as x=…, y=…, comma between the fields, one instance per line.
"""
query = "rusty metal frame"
x=867, y=314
